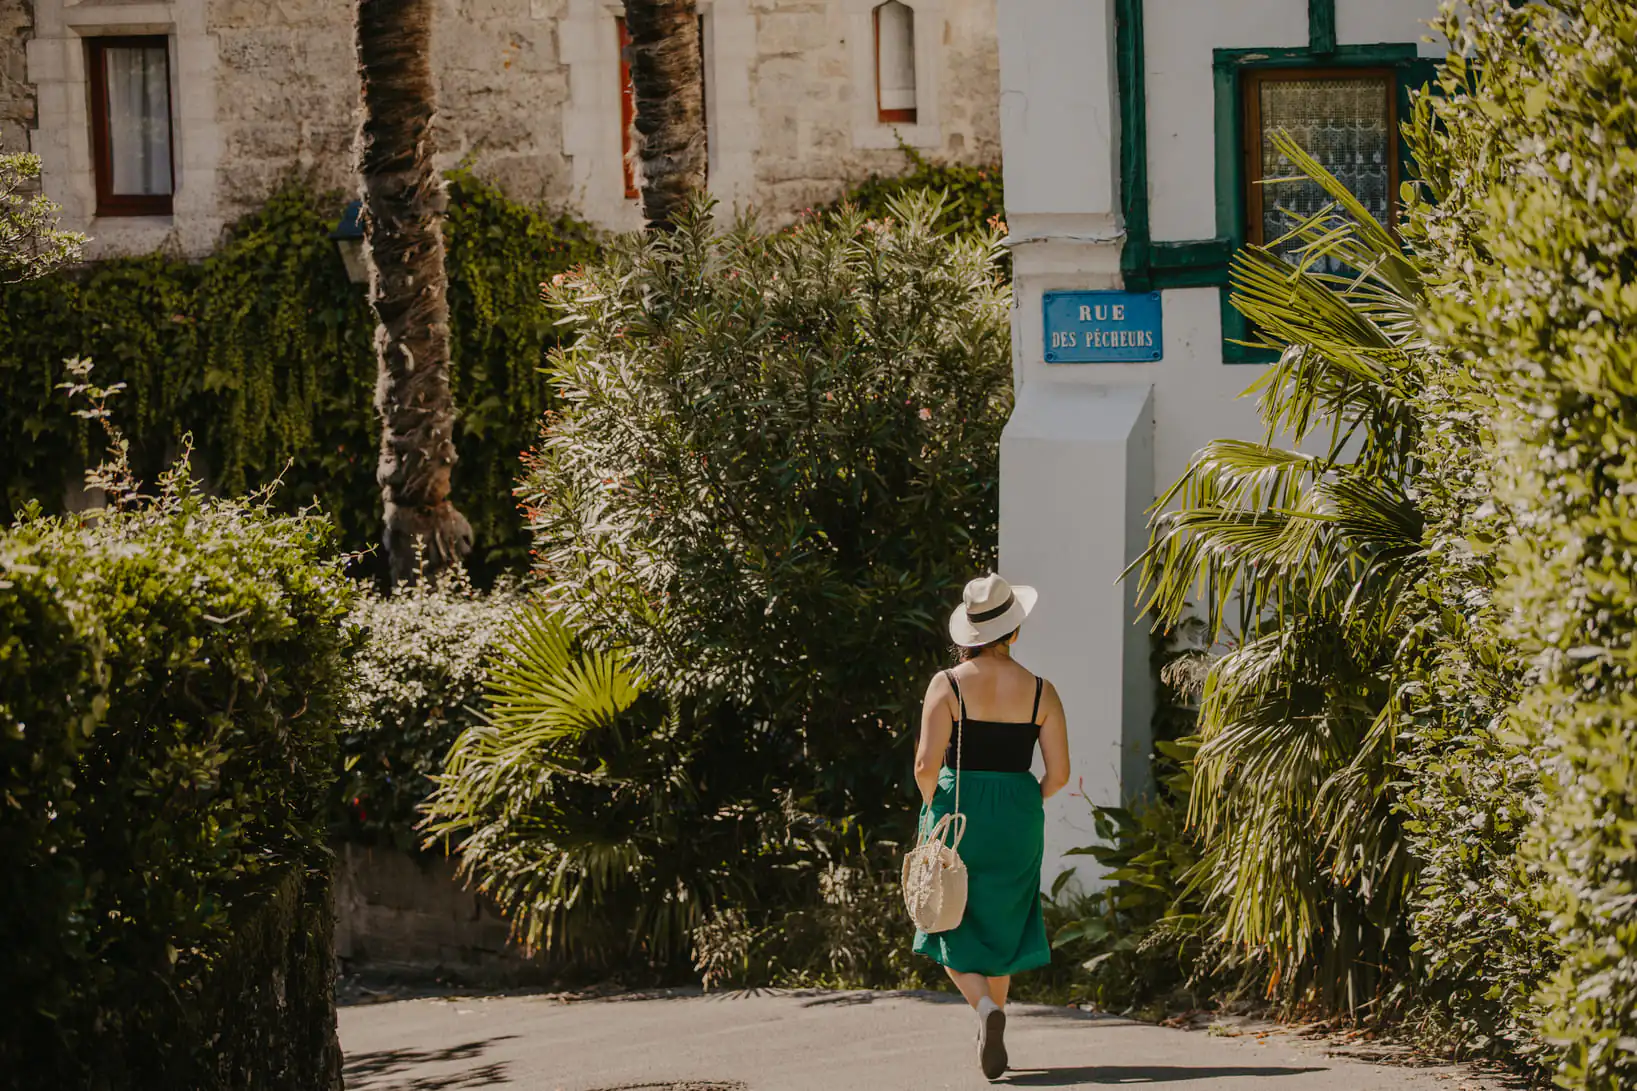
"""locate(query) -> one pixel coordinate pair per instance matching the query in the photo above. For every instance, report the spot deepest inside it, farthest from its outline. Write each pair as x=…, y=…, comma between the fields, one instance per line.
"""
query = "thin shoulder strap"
x=960, y=737
x=1039, y=684
x=956, y=686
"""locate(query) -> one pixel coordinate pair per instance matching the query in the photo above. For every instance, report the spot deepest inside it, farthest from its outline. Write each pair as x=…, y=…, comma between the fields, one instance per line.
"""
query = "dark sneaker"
x=991, y=1039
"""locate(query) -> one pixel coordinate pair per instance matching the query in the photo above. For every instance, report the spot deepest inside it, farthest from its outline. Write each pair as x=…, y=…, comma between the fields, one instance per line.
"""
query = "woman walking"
x=982, y=721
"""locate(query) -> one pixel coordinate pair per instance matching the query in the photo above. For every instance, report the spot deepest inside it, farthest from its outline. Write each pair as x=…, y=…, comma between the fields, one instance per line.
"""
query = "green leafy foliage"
x=776, y=456
x=171, y=675
x=974, y=195
x=263, y=353
x=586, y=810
x=1545, y=310
x=1303, y=861
x=416, y=683
x=622, y=831
x=1140, y=941
x=31, y=245
x=1471, y=784
x=848, y=933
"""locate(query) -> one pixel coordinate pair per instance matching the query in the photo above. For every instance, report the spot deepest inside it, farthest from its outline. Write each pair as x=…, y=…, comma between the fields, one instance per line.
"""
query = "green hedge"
x=974, y=197
x=170, y=684
x=1544, y=312
x=263, y=352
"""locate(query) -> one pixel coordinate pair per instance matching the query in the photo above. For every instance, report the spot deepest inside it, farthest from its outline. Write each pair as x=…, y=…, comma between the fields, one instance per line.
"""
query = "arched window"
x=895, y=62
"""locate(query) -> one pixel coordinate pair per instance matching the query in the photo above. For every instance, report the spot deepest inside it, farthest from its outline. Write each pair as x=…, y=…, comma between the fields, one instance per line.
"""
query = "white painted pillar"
x=1076, y=459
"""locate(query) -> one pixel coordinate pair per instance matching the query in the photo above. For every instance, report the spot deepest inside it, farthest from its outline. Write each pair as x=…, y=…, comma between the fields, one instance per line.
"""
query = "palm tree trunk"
x=403, y=236
x=667, y=75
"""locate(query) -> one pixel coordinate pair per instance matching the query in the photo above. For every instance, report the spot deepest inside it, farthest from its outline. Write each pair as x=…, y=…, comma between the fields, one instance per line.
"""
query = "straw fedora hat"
x=990, y=609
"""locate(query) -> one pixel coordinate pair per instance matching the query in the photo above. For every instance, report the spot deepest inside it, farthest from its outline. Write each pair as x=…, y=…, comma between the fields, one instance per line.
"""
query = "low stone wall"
x=406, y=916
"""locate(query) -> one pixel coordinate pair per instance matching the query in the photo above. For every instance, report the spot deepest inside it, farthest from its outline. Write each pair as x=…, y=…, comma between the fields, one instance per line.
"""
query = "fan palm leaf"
x=1312, y=535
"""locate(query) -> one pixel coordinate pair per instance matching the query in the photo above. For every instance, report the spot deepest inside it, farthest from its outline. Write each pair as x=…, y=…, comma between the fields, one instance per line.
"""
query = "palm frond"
x=1315, y=540
x=542, y=685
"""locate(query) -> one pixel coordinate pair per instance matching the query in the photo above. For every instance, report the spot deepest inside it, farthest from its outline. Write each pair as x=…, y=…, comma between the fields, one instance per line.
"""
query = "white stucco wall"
x=1077, y=472
x=1196, y=394
x=1082, y=453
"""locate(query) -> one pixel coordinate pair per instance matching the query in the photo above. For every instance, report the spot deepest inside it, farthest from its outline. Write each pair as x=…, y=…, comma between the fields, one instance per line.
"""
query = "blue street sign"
x=1102, y=327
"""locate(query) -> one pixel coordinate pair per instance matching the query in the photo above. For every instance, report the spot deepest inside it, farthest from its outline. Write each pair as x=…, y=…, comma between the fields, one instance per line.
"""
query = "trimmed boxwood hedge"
x=171, y=676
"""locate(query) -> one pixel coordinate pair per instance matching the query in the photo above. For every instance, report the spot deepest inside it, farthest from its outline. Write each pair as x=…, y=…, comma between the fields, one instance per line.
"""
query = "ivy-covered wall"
x=263, y=351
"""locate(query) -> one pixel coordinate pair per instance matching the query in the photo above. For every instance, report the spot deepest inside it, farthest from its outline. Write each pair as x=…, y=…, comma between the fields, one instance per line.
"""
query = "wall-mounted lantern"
x=348, y=236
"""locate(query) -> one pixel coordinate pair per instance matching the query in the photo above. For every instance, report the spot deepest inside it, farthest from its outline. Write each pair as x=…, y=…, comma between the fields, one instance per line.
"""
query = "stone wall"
x=288, y=93
x=16, y=94
x=405, y=915
x=814, y=96
x=265, y=91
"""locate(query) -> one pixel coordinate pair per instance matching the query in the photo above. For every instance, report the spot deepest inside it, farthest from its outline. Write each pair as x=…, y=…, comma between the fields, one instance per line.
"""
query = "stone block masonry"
x=16, y=93
x=407, y=916
x=265, y=92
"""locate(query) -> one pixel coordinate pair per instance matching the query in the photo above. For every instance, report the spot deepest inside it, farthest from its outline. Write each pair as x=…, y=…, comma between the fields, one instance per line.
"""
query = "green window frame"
x=1154, y=266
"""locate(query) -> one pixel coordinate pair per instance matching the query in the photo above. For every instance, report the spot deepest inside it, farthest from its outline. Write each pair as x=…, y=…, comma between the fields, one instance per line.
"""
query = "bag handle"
x=949, y=826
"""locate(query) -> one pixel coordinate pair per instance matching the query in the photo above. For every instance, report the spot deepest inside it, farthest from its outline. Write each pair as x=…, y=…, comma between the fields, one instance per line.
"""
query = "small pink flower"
x=925, y=414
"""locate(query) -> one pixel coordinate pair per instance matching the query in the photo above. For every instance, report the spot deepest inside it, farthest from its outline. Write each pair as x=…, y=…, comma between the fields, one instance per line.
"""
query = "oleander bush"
x=777, y=454
x=171, y=680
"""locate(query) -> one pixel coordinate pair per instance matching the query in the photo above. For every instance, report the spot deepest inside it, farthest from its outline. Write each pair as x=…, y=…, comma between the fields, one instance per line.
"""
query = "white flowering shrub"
x=416, y=685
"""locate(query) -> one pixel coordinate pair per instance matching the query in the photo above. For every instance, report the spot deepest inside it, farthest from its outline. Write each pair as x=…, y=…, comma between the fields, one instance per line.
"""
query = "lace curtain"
x=139, y=119
x=1344, y=123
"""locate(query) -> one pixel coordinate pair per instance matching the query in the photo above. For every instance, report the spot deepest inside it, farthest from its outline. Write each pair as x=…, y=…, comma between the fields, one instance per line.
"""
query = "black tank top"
x=993, y=745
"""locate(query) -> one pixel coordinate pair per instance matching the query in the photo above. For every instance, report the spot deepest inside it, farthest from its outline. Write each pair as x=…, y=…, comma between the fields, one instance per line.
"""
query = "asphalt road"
x=813, y=1041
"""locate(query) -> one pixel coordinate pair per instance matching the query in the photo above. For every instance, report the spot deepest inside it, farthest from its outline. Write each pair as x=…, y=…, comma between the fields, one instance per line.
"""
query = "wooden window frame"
x=1251, y=104
x=901, y=116
x=628, y=108
x=110, y=203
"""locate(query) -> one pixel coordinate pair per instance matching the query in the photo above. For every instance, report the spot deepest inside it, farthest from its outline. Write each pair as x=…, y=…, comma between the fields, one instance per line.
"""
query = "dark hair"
x=963, y=655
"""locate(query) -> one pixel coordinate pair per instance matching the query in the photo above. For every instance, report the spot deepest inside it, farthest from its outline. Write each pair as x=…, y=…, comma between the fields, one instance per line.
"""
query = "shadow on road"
x=1124, y=1074
x=394, y=1069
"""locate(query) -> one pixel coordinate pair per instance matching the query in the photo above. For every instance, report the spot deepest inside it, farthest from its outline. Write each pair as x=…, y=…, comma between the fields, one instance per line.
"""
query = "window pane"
x=895, y=56
x=139, y=119
x=1344, y=123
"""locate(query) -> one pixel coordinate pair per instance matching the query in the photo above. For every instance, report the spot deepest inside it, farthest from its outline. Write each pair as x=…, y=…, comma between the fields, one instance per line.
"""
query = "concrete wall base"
x=1077, y=461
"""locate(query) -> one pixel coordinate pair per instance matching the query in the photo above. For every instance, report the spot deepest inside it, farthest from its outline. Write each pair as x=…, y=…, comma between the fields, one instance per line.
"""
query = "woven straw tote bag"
x=934, y=879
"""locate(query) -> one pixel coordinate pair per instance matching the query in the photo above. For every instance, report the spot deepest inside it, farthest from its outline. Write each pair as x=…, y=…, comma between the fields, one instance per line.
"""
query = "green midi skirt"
x=1004, y=847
